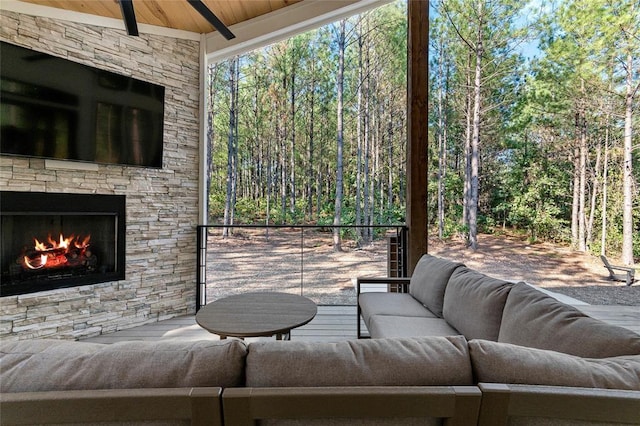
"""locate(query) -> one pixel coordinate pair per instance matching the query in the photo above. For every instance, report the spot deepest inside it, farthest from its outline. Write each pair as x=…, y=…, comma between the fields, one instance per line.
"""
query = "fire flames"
x=69, y=251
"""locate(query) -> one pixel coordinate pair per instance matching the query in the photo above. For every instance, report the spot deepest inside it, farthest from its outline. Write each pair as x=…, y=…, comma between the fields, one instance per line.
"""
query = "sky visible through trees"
x=533, y=124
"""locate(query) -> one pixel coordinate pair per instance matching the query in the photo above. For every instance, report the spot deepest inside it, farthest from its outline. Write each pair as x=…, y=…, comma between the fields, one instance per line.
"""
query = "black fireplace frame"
x=16, y=203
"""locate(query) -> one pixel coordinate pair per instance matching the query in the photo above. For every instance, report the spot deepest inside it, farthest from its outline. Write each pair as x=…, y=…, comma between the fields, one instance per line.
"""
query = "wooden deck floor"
x=331, y=324
x=623, y=316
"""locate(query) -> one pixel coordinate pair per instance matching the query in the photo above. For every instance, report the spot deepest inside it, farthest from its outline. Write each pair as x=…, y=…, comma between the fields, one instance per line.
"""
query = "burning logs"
x=67, y=252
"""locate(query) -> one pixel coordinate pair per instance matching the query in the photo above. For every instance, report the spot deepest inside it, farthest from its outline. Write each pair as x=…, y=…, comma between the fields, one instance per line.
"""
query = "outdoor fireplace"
x=50, y=241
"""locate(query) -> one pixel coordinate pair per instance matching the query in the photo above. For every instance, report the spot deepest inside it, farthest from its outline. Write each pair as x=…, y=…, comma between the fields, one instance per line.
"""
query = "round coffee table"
x=256, y=315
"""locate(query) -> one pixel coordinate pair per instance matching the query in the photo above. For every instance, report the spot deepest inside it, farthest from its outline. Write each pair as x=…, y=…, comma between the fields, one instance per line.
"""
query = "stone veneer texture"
x=161, y=204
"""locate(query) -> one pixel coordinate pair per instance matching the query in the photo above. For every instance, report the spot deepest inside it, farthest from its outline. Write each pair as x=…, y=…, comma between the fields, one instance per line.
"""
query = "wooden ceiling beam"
x=129, y=16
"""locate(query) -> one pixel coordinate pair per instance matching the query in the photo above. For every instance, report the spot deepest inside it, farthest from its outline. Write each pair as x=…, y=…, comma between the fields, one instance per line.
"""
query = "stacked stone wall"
x=161, y=204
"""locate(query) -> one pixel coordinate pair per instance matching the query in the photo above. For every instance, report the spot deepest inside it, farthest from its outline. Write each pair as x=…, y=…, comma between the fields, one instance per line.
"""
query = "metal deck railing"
x=295, y=258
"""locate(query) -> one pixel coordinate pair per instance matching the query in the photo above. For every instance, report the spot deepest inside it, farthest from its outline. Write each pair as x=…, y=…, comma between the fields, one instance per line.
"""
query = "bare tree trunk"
x=371, y=160
x=594, y=195
x=318, y=188
x=282, y=136
x=310, y=146
x=475, y=139
x=582, y=195
x=575, y=205
x=373, y=166
x=229, y=205
x=441, y=144
x=605, y=171
x=627, y=180
x=367, y=150
x=258, y=169
x=360, y=141
x=337, y=218
x=292, y=157
x=380, y=151
x=213, y=70
x=467, y=149
x=319, y=179
x=235, y=139
x=376, y=185
x=270, y=172
x=389, y=159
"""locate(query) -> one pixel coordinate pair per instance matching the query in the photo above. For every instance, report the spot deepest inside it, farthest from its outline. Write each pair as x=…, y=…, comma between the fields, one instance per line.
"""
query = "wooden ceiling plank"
x=176, y=14
x=100, y=8
x=168, y=13
x=244, y=10
x=212, y=18
x=163, y=14
x=190, y=17
x=225, y=10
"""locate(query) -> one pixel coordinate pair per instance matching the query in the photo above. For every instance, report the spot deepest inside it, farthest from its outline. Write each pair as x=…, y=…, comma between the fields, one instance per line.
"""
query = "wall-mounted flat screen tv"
x=52, y=107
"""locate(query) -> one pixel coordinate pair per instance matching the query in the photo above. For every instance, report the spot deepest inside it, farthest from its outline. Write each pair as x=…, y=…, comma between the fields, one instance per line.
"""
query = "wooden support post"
x=417, y=121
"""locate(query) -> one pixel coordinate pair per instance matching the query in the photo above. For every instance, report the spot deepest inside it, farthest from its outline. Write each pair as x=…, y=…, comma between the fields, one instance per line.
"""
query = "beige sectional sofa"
x=455, y=348
x=460, y=301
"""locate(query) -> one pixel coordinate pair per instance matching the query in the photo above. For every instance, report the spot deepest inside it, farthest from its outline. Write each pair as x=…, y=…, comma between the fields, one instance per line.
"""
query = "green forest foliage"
x=551, y=122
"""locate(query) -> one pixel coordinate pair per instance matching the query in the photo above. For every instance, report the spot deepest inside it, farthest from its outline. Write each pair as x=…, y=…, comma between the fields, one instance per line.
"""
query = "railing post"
x=302, y=261
x=404, y=237
x=201, y=265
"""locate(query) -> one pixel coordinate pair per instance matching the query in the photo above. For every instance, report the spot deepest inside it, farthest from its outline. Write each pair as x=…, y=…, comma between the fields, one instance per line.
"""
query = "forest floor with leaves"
x=551, y=266
x=251, y=260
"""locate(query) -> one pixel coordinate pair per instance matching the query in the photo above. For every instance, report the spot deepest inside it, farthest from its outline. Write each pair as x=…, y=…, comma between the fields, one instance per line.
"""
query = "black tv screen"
x=52, y=107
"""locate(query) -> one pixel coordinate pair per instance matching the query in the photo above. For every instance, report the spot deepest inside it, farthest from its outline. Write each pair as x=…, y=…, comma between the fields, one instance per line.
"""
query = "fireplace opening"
x=51, y=241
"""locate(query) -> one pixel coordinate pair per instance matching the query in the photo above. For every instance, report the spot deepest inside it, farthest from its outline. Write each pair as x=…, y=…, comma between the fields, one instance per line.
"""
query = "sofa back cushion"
x=426, y=361
x=532, y=318
x=495, y=362
x=51, y=365
x=473, y=303
x=429, y=280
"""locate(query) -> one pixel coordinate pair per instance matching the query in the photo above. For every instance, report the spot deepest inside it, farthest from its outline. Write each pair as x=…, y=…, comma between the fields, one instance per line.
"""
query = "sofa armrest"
x=502, y=402
x=200, y=406
x=457, y=405
x=402, y=283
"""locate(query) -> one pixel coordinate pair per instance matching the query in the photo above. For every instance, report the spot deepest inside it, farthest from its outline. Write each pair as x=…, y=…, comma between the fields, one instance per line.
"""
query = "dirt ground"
x=303, y=262
x=550, y=266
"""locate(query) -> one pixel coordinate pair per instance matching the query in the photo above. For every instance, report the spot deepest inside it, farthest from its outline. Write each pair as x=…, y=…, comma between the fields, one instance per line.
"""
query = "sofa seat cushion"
x=52, y=365
x=400, y=326
x=429, y=280
x=402, y=304
x=532, y=318
x=495, y=362
x=473, y=303
x=432, y=361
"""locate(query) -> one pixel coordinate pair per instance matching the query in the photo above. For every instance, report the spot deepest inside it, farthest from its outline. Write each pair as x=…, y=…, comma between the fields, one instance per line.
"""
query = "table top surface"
x=256, y=314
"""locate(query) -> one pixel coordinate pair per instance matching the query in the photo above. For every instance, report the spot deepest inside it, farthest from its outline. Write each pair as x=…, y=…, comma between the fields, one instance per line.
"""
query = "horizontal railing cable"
x=205, y=232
